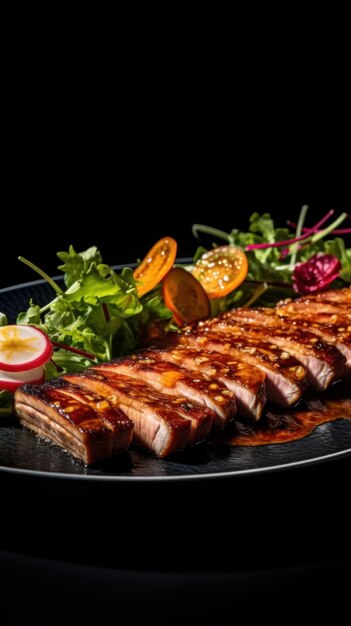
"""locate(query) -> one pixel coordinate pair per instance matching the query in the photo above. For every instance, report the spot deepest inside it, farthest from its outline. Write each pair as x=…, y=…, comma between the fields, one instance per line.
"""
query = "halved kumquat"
x=158, y=261
x=221, y=270
x=185, y=297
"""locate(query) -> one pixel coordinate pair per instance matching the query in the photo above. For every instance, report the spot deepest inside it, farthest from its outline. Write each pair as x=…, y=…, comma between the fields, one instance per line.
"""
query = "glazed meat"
x=174, y=380
x=161, y=423
x=172, y=396
x=339, y=296
x=247, y=382
x=285, y=376
x=313, y=307
x=323, y=361
x=334, y=329
x=86, y=425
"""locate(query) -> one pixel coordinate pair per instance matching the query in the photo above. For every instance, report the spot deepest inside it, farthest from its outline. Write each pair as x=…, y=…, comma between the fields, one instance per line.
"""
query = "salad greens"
x=273, y=253
x=97, y=317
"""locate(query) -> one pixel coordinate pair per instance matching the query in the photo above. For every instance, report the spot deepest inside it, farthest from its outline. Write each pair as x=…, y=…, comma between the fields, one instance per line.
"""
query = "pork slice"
x=315, y=307
x=161, y=424
x=73, y=425
x=323, y=361
x=118, y=421
x=333, y=329
x=174, y=380
x=285, y=376
x=341, y=296
x=246, y=381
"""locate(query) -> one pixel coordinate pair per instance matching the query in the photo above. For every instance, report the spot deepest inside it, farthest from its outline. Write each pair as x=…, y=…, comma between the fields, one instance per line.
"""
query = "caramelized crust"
x=285, y=376
x=333, y=330
x=323, y=361
x=174, y=380
x=163, y=424
x=247, y=382
x=72, y=424
x=117, y=420
x=312, y=307
x=341, y=296
x=171, y=396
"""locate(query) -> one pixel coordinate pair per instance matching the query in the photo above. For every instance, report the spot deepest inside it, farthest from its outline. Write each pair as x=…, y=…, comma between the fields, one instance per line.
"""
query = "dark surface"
x=262, y=546
x=22, y=451
x=102, y=595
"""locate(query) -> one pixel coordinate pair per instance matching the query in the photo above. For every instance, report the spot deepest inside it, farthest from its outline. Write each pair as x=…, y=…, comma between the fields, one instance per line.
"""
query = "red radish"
x=9, y=381
x=23, y=348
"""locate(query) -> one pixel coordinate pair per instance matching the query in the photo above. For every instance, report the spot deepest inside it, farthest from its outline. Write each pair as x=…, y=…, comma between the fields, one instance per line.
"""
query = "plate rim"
x=185, y=477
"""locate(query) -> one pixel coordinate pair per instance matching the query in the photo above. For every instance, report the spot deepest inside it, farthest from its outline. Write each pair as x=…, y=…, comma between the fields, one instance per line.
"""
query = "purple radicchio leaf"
x=316, y=274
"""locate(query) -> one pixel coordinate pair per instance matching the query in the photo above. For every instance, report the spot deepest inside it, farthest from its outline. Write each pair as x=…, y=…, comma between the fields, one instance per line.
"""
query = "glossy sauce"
x=292, y=424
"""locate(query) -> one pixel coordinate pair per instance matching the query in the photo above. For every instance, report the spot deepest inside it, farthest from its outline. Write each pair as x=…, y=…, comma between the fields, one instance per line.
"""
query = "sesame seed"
x=202, y=340
x=201, y=359
x=298, y=372
x=212, y=372
x=102, y=405
x=219, y=399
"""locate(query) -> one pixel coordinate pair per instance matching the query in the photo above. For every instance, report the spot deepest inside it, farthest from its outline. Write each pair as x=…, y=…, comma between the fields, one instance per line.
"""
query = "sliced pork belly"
x=162, y=424
x=340, y=296
x=174, y=380
x=337, y=332
x=247, y=382
x=285, y=376
x=312, y=307
x=332, y=329
x=324, y=313
x=85, y=430
x=323, y=361
x=121, y=425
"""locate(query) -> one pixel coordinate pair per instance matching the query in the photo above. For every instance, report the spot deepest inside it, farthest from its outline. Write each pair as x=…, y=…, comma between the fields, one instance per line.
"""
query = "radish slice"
x=10, y=381
x=23, y=348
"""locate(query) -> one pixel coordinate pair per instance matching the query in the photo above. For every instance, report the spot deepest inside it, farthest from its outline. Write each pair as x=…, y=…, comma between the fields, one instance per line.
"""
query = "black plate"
x=21, y=451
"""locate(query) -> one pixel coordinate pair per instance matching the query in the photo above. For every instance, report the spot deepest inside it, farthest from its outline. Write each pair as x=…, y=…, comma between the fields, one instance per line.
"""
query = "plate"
x=22, y=452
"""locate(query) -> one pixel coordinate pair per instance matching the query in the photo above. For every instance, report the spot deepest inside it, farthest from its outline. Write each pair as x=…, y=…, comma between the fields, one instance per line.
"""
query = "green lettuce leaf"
x=77, y=263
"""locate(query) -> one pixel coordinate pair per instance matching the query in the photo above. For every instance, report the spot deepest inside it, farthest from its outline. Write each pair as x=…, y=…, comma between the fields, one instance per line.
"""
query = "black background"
x=123, y=212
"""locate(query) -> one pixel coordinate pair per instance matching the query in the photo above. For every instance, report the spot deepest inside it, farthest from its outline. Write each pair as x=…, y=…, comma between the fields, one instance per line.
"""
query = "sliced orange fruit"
x=185, y=297
x=155, y=265
x=221, y=270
